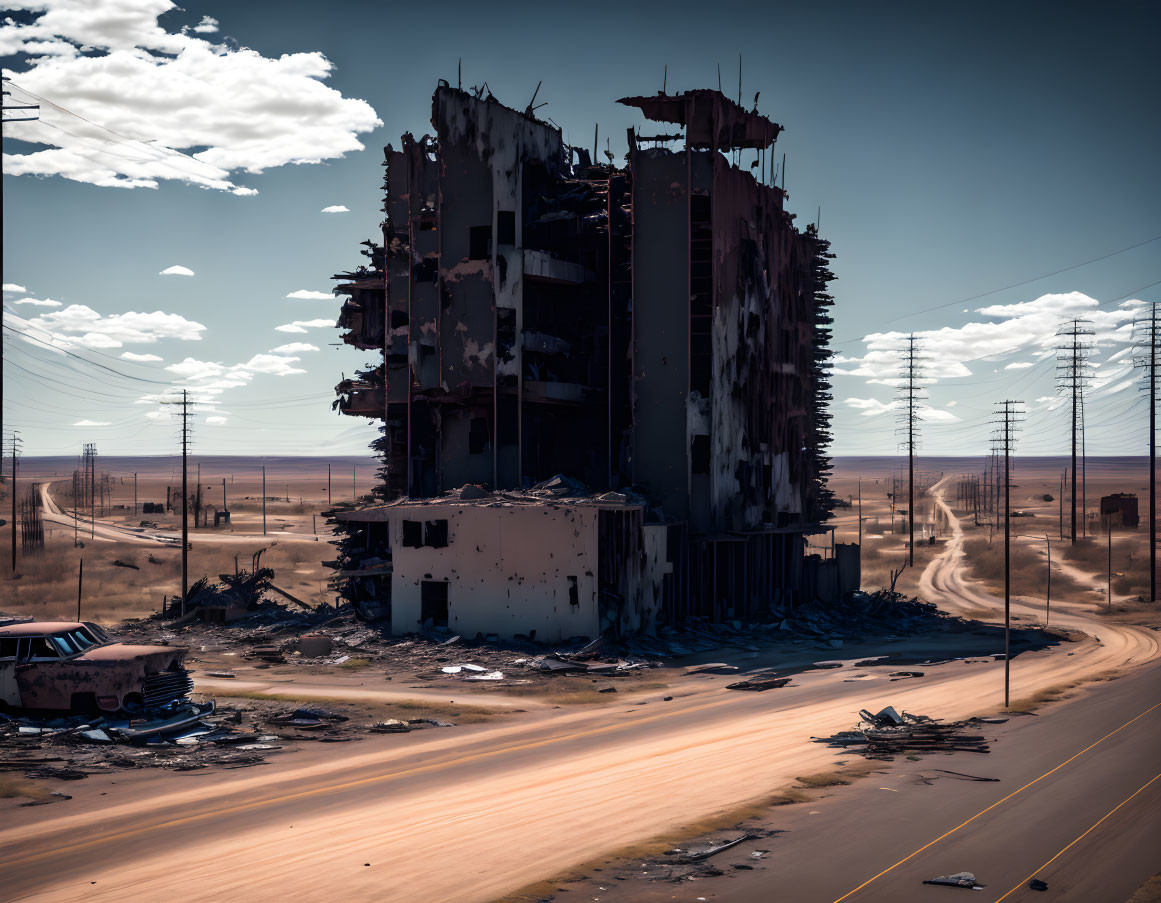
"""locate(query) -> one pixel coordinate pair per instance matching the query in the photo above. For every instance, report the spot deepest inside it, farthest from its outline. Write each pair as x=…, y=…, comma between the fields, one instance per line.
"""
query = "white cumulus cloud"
x=133, y=356
x=294, y=348
x=176, y=270
x=273, y=364
x=121, y=97
x=38, y=302
x=80, y=325
x=216, y=420
x=92, y=423
x=303, y=325
x=14, y=288
x=1028, y=327
x=303, y=294
x=335, y=208
x=1019, y=365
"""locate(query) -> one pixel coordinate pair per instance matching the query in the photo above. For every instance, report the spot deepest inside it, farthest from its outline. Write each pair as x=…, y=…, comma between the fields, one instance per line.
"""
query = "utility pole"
x=1083, y=475
x=184, y=499
x=1048, y=589
x=185, y=437
x=1110, y=533
x=134, y=495
x=908, y=394
x=15, y=444
x=1072, y=373
x=328, y=485
x=80, y=583
x=1147, y=336
x=1008, y=412
x=263, y=499
x=860, y=512
x=354, y=492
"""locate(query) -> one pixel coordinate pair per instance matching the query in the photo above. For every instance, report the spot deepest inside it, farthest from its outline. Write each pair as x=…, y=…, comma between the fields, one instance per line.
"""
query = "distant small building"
x=1122, y=505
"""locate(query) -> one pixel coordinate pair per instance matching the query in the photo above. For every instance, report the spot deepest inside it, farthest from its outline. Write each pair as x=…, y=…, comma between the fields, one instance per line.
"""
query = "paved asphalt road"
x=1078, y=805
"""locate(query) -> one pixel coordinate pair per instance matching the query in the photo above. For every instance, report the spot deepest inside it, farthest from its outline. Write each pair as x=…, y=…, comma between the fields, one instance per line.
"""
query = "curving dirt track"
x=471, y=814
x=945, y=581
x=105, y=531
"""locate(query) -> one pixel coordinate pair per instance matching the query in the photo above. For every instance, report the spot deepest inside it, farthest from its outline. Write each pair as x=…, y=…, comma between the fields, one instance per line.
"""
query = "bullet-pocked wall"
x=660, y=325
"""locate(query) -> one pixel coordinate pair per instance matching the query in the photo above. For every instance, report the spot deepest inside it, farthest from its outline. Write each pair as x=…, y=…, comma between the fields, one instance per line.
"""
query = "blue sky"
x=953, y=150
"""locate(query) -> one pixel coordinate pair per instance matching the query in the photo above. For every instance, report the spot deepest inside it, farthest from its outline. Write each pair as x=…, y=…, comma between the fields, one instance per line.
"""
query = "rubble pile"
x=180, y=737
x=889, y=733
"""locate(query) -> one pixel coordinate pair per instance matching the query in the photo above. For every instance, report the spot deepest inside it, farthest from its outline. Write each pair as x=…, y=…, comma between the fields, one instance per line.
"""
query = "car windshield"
x=82, y=639
x=65, y=644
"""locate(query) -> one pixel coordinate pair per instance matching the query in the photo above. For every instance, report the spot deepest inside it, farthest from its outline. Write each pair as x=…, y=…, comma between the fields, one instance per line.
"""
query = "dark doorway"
x=433, y=602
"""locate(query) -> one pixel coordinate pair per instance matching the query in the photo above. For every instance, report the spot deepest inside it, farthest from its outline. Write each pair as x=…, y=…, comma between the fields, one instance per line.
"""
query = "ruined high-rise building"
x=657, y=332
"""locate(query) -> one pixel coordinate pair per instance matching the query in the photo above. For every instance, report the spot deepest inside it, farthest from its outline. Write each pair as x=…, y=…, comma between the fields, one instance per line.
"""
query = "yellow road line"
x=1079, y=839
x=994, y=805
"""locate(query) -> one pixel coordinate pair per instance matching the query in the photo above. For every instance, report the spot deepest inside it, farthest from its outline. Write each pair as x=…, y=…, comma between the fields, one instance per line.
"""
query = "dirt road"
x=470, y=814
x=107, y=531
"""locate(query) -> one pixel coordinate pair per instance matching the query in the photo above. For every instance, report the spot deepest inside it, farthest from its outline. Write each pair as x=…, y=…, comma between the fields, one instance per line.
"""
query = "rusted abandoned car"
x=73, y=666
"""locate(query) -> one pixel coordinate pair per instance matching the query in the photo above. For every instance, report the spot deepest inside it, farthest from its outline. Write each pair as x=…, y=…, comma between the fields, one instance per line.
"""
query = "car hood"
x=121, y=652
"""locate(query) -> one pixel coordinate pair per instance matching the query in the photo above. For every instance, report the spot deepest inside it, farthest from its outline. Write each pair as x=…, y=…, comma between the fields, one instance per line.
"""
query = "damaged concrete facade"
x=661, y=326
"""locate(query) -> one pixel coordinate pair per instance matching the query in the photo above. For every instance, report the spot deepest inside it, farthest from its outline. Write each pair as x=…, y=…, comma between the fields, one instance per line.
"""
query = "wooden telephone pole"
x=1072, y=373
x=185, y=438
x=909, y=394
x=1148, y=336
x=1008, y=412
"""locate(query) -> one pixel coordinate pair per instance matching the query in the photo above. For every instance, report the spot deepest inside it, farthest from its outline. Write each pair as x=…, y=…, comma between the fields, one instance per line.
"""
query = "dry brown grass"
x=1058, y=692
x=13, y=787
x=401, y=709
x=1028, y=569
x=1130, y=563
x=1149, y=892
x=579, y=690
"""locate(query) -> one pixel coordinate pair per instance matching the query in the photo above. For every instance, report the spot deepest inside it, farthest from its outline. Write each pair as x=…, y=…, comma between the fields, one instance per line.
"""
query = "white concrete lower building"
x=518, y=564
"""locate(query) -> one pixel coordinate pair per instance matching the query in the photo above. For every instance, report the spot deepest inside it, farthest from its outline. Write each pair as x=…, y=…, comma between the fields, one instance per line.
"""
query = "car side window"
x=81, y=639
x=64, y=644
x=8, y=646
x=40, y=649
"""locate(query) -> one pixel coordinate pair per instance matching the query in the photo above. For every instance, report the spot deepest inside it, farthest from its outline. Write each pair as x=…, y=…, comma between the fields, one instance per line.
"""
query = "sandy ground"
x=476, y=813
x=295, y=542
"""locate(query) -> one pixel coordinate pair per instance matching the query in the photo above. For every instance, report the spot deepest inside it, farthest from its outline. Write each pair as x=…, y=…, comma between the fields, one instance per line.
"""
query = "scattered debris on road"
x=760, y=682
x=888, y=733
x=959, y=879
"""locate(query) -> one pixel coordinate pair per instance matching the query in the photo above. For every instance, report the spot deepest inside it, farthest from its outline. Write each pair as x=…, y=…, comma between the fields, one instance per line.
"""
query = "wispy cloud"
x=14, y=288
x=176, y=270
x=303, y=294
x=38, y=302
x=93, y=423
x=142, y=358
x=303, y=325
x=335, y=208
x=294, y=348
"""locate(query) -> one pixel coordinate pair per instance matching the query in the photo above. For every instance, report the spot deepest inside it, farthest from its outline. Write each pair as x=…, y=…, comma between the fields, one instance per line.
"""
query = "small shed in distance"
x=1121, y=505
